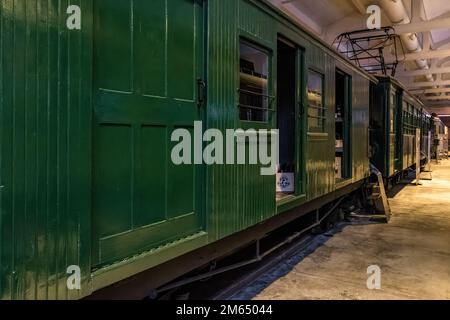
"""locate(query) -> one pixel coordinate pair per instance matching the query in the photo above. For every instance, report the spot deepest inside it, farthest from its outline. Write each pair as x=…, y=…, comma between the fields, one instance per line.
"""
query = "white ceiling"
x=435, y=8
x=329, y=18
x=324, y=12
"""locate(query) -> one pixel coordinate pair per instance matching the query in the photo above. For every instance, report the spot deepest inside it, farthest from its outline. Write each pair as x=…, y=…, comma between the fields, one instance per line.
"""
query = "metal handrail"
x=256, y=94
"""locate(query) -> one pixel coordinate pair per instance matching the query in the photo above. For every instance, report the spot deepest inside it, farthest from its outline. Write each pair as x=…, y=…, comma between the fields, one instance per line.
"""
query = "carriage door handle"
x=201, y=92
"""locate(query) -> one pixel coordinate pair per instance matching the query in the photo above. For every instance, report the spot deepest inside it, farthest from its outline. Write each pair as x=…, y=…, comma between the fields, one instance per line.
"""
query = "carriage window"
x=316, y=109
x=254, y=97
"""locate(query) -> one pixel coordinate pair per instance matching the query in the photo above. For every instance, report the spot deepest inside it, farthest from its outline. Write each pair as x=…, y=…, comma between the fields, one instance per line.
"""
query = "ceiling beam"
x=413, y=73
x=438, y=105
x=437, y=98
x=360, y=6
x=423, y=26
x=426, y=91
x=427, y=55
x=426, y=41
x=428, y=84
x=416, y=10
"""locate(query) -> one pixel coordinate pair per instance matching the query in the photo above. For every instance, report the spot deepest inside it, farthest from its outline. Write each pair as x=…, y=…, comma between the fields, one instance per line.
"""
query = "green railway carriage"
x=395, y=114
x=86, y=118
x=440, y=138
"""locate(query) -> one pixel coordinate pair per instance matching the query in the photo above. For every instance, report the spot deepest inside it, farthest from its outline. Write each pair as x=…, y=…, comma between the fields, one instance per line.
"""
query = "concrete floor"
x=413, y=252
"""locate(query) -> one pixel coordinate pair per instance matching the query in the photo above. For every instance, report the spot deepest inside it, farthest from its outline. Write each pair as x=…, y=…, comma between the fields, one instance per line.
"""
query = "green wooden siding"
x=360, y=125
x=238, y=196
x=45, y=115
x=141, y=199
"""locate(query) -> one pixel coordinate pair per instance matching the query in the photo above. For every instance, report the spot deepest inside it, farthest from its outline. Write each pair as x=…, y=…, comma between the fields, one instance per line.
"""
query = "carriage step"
x=374, y=196
x=379, y=197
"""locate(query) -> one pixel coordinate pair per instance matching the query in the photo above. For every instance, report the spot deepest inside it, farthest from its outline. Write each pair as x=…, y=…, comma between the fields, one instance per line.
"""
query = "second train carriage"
x=395, y=115
x=426, y=142
x=440, y=138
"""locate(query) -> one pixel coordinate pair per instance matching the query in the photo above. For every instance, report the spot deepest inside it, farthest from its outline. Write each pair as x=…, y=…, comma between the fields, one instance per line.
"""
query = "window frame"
x=324, y=108
x=270, y=110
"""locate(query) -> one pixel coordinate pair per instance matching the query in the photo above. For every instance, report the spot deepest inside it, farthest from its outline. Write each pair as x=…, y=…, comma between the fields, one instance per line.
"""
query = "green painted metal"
x=87, y=180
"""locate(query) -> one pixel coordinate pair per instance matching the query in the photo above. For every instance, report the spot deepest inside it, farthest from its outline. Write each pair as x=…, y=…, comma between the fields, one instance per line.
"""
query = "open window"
x=343, y=121
x=254, y=99
x=287, y=119
x=316, y=106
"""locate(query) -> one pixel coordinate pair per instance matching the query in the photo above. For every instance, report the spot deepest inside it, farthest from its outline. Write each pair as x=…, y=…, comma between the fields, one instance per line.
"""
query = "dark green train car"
x=426, y=142
x=440, y=138
x=395, y=114
x=87, y=115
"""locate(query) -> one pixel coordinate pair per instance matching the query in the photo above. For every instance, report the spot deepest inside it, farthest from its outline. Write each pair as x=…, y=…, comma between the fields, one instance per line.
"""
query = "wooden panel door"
x=148, y=57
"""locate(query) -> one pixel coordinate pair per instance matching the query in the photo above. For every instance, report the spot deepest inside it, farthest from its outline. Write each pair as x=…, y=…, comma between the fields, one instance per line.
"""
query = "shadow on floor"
x=287, y=265
x=392, y=193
